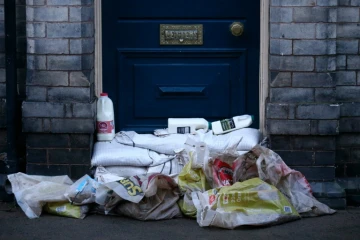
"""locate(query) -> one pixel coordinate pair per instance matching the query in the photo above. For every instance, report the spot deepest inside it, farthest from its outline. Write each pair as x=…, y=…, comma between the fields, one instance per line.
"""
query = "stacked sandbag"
x=130, y=153
x=126, y=161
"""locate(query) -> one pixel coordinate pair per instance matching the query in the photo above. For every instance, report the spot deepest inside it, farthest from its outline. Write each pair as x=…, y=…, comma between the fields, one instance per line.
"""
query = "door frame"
x=264, y=57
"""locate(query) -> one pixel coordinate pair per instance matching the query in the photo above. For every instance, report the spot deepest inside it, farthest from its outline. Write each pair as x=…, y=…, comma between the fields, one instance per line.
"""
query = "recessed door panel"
x=180, y=59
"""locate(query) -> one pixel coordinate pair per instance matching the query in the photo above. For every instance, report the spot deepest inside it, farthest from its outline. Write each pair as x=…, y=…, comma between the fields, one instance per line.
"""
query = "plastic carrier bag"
x=160, y=206
x=268, y=166
x=82, y=191
x=252, y=202
x=191, y=180
x=114, y=189
x=32, y=192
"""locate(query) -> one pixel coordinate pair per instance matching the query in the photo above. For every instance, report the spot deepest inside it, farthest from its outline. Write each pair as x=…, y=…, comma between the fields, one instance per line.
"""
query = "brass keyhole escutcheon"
x=237, y=28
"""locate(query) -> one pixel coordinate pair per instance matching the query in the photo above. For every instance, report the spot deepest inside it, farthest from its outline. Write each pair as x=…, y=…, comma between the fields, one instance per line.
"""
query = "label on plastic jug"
x=227, y=124
x=105, y=126
x=183, y=130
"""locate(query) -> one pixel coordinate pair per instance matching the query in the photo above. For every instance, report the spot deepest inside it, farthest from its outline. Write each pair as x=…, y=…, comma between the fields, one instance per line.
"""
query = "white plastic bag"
x=113, y=188
x=32, y=192
x=116, y=154
x=160, y=202
x=82, y=191
x=272, y=169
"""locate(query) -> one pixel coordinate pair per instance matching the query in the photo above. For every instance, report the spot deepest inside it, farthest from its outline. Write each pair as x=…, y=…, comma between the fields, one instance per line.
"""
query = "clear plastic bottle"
x=105, y=126
x=231, y=124
x=187, y=125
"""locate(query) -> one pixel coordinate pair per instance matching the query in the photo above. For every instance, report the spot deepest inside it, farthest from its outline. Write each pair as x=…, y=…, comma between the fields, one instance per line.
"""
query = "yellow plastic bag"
x=191, y=180
x=66, y=209
x=253, y=202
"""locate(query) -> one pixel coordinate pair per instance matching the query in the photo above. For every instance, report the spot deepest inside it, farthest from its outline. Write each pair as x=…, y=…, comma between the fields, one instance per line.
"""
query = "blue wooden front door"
x=150, y=81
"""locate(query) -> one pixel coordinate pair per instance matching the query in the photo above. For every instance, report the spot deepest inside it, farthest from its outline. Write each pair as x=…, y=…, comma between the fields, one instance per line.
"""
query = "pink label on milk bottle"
x=105, y=126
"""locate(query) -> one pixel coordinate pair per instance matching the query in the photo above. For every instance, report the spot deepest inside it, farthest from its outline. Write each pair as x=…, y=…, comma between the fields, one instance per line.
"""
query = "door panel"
x=150, y=82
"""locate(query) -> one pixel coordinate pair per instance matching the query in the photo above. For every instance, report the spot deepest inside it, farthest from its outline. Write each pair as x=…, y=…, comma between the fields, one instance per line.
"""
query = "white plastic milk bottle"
x=231, y=124
x=187, y=125
x=105, y=125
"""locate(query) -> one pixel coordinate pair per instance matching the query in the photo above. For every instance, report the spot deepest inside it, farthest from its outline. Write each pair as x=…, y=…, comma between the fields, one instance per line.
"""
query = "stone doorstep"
x=351, y=185
x=353, y=200
x=352, y=189
x=327, y=190
x=334, y=203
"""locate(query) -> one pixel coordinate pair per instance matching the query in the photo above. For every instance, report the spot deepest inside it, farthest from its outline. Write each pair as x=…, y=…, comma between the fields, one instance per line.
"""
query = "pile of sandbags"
x=130, y=153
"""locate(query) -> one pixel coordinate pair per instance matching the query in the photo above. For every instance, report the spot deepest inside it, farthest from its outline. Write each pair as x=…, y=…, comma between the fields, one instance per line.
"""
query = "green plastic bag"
x=191, y=180
x=66, y=209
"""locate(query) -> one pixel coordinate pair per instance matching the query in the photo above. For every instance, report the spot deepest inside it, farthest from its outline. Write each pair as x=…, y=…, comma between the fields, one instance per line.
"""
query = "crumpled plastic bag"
x=160, y=206
x=218, y=169
x=252, y=202
x=82, y=191
x=32, y=192
x=191, y=180
x=268, y=166
x=66, y=209
x=217, y=166
x=114, y=189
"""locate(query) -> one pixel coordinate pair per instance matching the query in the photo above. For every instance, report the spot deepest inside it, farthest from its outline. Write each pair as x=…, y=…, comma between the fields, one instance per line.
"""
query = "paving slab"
x=344, y=224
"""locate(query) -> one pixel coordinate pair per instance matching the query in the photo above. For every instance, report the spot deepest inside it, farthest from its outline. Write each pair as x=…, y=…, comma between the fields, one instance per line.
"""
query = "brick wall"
x=312, y=112
x=58, y=115
x=21, y=75
x=348, y=89
x=2, y=81
x=314, y=86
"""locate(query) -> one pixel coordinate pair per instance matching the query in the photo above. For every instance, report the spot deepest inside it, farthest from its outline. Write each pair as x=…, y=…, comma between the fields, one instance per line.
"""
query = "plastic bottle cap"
x=252, y=117
x=103, y=94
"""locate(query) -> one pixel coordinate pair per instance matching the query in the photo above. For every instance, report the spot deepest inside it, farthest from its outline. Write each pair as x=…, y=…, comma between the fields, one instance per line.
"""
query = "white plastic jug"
x=231, y=124
x=187, y=125
x=105, y=125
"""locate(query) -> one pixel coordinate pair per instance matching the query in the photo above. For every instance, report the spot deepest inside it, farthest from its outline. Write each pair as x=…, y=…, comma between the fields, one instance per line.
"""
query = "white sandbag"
x=116, y=154
x=126, y=171
x=169, y=168
x=167, y=144
x=32, y=192
x=242, y=140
